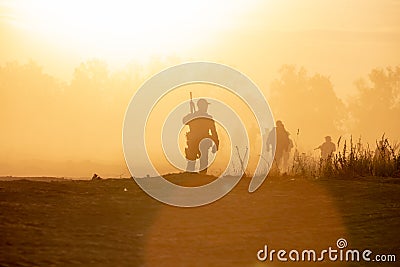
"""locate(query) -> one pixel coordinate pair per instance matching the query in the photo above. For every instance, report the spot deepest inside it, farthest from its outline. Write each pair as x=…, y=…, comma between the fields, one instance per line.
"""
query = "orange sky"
x=342, y=39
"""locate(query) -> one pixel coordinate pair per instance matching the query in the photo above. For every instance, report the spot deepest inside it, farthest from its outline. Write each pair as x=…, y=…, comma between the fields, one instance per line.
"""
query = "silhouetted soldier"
x=327, y=148
x=201, y=126
x=281, y=136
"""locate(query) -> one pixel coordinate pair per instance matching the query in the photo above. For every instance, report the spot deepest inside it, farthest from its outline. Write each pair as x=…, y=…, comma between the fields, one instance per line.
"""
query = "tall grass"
x=351, y=160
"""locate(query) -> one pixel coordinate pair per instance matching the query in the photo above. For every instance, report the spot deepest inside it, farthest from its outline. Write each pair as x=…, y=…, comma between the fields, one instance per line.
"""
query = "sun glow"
x=127, y=28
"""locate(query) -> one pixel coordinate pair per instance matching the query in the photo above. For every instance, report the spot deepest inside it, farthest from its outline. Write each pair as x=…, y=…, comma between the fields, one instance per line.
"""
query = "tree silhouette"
x=375, y=109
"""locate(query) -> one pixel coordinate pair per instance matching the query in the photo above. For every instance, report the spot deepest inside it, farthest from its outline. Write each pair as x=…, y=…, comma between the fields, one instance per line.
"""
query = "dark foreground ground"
x=99, y=223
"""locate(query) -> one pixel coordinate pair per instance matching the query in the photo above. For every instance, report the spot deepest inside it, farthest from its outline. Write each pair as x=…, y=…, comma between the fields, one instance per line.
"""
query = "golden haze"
x=68, y=71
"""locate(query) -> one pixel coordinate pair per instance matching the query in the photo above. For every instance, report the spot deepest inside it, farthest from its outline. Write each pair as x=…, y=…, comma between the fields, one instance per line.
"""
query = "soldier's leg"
x=204, y=148
x=278, y=158
x=285, y=163
x=191, y=155
x=190, y=165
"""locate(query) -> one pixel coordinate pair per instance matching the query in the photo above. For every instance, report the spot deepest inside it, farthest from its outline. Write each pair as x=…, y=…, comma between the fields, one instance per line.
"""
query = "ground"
x=114, y=223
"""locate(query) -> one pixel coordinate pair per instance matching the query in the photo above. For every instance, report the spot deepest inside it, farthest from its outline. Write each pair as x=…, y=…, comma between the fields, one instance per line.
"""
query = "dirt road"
x=99, y=223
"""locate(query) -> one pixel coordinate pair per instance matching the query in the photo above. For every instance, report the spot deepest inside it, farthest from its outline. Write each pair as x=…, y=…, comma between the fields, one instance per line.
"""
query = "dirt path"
x=98, y=223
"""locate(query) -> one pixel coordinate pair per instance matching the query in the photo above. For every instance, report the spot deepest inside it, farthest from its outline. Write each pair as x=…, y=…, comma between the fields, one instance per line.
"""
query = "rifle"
x=192, y=106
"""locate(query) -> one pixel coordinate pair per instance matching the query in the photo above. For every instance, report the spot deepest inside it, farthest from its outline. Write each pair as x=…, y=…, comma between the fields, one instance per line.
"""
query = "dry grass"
x=351, y=160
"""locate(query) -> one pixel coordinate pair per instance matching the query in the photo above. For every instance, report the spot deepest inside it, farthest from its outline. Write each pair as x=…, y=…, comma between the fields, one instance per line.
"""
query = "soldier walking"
x=201, y=132
x=327, y=148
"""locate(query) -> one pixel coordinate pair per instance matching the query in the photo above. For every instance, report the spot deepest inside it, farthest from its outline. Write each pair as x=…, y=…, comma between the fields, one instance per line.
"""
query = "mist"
x=73, y=128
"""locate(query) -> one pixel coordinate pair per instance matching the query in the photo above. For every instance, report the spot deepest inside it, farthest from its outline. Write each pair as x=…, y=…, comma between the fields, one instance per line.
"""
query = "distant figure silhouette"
x=201, y=126
x=96, y=177
x=327, y=148
x=281, y=136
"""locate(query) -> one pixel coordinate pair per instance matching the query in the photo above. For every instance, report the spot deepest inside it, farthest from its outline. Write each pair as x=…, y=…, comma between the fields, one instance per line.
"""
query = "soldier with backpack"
x=281, y=136
x=201, y=132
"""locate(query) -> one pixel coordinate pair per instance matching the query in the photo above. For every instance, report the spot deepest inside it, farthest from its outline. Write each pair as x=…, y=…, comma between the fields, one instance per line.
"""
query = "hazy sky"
x=341, y=39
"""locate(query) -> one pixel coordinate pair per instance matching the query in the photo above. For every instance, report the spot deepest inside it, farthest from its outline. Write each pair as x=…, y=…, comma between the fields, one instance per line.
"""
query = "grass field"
x=99, y=223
